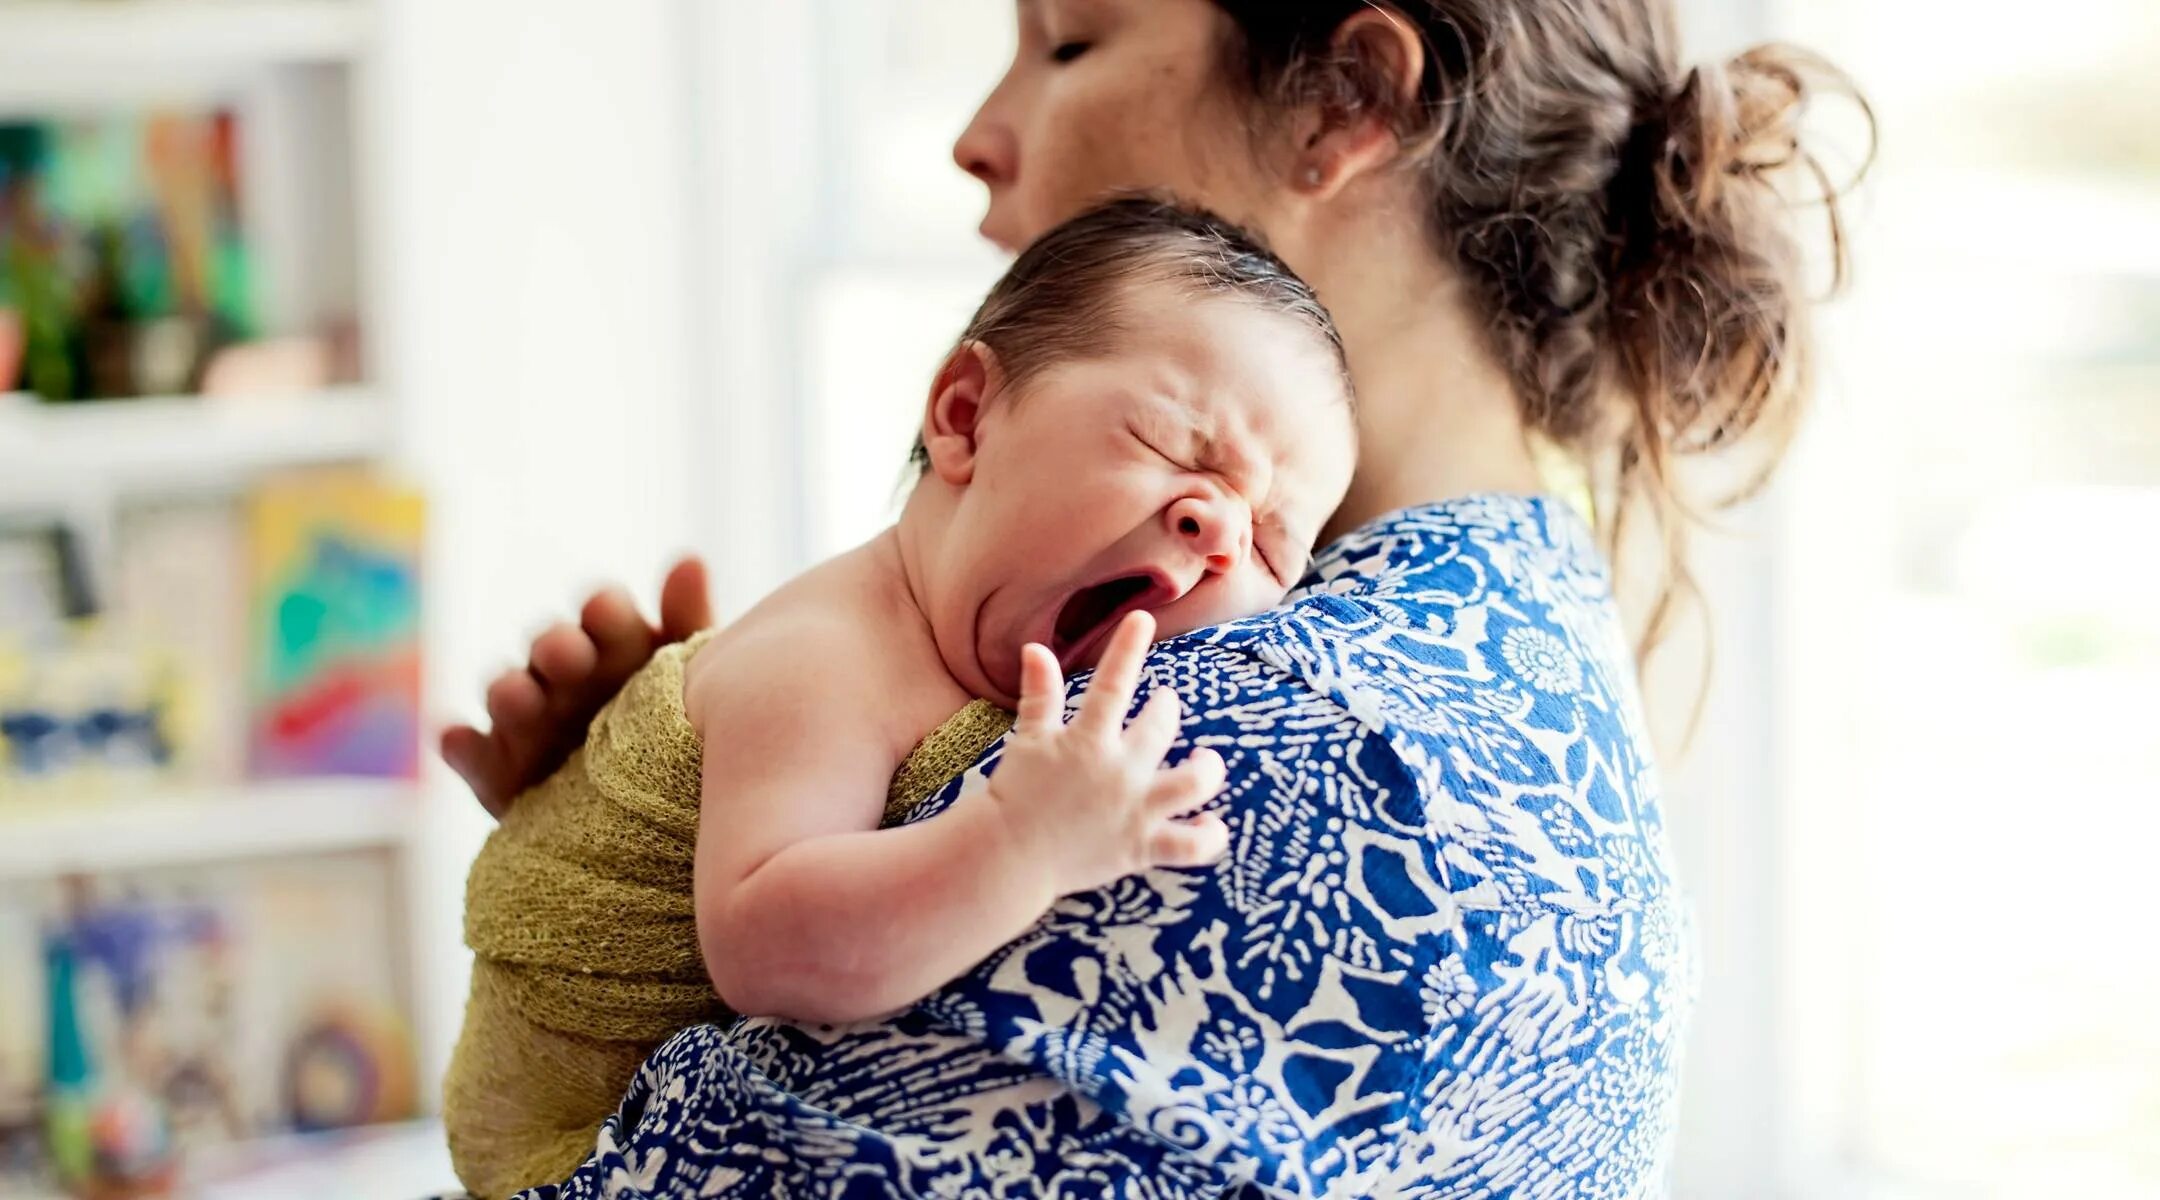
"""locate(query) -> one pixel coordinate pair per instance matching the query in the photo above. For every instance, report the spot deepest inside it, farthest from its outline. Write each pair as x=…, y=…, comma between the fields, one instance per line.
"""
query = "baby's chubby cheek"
x=1197, y=612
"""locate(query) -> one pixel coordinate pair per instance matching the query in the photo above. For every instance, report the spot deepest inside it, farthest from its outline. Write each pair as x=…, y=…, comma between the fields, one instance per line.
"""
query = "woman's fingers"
x=564, y=657
x=477, y=759
x=538, y=715
x=1193, y=843
x=622, y=637
x=515, y=698
x=685, y=601
x=1110, y=694
x=1042, y=691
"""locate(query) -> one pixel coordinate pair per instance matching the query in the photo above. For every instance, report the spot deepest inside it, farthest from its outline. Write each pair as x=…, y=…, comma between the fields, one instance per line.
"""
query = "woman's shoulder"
x=1494, y=591
x=1481, y=632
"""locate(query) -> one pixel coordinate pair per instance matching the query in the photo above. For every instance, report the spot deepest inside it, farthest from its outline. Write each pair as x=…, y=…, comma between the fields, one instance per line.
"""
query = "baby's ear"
x=953, y=418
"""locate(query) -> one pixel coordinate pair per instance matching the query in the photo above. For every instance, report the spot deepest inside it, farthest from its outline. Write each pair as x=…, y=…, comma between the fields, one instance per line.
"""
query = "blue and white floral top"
x=1446, y=956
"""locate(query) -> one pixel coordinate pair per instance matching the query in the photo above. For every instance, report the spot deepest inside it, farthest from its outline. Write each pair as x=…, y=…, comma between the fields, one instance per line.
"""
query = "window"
x=1972, y=642
x=842, y=258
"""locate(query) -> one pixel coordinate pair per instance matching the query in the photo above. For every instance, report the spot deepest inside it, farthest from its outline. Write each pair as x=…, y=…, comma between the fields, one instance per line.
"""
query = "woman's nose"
x=987, y=148
x=1215, y=529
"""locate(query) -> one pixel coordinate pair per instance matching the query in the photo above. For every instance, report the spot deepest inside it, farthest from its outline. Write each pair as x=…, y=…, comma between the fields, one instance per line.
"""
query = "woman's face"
x=1106, y=96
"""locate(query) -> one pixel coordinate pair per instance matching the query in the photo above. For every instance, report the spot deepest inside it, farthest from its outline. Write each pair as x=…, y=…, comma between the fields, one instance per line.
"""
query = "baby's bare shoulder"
x=822, y=646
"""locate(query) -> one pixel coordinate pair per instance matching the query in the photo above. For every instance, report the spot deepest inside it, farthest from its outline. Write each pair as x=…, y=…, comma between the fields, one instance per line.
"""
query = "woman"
x=1446, y=955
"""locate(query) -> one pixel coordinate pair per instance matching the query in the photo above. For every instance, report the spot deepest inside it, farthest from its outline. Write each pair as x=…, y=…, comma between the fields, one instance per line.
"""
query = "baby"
x=1139, y=434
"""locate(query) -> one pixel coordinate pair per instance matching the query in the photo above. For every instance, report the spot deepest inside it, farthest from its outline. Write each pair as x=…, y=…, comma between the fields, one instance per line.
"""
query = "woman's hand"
x=1091, y=800
x=538, y=714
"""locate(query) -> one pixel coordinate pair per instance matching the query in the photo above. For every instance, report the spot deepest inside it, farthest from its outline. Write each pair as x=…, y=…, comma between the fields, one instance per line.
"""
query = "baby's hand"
x=1091, y=800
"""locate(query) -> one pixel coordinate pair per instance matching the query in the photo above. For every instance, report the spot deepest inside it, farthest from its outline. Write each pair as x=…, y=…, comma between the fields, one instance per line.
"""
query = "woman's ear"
x=1377, y=64
x=953, y=419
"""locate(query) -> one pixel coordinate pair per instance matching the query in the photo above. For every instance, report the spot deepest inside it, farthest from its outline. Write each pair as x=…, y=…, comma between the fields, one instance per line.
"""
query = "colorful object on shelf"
x=79, y=715
x=335, y=671
x=67, y=1072
x=284, y=366
x=122, y=247
x=107, y=1132
x=351, y=1066
x=148, y=1016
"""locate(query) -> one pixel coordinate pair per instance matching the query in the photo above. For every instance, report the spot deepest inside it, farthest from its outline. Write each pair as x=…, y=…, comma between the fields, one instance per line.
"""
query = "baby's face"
x=1187, y=472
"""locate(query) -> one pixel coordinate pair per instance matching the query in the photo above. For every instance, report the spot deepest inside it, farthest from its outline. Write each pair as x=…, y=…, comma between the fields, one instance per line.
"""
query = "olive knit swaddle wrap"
x=584, y=936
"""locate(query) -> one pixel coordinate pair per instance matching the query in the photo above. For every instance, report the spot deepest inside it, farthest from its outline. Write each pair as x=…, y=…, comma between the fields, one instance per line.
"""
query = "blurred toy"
x=80, y=718
x=122, y=245
x=350, y=1066
x=31, y=256
x=179, y=1010
x=335, y=671
x=108, y=1138
x=270, y=367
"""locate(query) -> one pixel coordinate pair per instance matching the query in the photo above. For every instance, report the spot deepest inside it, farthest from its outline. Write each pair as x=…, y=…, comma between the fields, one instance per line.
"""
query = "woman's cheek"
x=1092, y=156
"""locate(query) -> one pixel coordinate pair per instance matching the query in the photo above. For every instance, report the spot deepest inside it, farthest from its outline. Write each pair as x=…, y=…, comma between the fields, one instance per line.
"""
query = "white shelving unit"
x=299, y=74
x=235, y=31
x=56, y=453
x=162, y=827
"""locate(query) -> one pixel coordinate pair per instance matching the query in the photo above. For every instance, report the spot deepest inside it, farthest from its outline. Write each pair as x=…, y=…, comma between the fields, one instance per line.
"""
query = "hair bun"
x=1713, y=140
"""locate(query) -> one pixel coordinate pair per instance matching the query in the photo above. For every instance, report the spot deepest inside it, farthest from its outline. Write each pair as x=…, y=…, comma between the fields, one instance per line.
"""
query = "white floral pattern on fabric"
x=1445, y=958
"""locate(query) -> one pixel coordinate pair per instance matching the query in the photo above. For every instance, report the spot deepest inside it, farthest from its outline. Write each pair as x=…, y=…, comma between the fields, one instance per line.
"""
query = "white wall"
x=531, y=211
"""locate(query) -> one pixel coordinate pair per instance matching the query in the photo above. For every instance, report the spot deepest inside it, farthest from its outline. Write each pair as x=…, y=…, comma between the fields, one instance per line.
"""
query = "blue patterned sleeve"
x=1261, y=1021
x=1265, y=1017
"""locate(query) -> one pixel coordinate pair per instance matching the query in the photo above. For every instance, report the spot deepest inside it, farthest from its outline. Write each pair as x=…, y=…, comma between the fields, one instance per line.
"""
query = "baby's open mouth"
x=1089, y=615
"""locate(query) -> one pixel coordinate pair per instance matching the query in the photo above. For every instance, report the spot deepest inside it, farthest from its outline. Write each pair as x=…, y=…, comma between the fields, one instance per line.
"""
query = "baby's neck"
x=878, y=586
x=910, y=548
x=889, y=567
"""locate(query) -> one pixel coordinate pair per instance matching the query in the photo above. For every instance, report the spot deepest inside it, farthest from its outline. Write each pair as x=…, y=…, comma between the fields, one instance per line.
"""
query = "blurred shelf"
x=50, y=33
x=409, y=1159
x=200, y=825
x=398, y=1161
x=49, y=453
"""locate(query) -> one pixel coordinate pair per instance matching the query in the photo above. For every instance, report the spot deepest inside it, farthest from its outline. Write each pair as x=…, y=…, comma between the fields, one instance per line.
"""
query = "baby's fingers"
x=1193, y=843
x=1042, y=691
x=1117, y=676
x=1187, y=785
x=1155, y=729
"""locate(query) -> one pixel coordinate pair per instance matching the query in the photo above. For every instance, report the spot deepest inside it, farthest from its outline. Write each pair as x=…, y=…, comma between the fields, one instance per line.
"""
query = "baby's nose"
x=1211, y=529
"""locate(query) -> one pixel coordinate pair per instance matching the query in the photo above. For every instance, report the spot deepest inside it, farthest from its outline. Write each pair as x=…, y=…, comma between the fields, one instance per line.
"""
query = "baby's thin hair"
x=1063, y=298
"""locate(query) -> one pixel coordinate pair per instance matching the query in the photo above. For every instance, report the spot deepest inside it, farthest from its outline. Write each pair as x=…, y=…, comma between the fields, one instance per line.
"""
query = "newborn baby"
x=1139, y=434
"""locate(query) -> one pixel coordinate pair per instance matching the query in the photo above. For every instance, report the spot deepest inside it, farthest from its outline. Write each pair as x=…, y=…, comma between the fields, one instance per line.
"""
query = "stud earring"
x=1312, y=177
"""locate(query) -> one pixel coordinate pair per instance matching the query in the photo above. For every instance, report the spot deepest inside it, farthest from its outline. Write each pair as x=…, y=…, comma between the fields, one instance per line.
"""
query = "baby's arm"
x=807, y=910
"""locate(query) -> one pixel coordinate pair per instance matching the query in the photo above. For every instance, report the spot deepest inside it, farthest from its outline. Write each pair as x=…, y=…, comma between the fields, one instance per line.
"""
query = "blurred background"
x=346, y=343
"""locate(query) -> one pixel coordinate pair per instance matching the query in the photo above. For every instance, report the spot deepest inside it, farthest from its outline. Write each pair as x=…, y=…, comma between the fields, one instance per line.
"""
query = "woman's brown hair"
x=1624, y=222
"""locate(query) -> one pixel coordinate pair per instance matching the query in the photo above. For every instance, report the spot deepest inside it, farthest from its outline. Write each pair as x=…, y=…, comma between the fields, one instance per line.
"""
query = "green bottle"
x=67, y=1072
